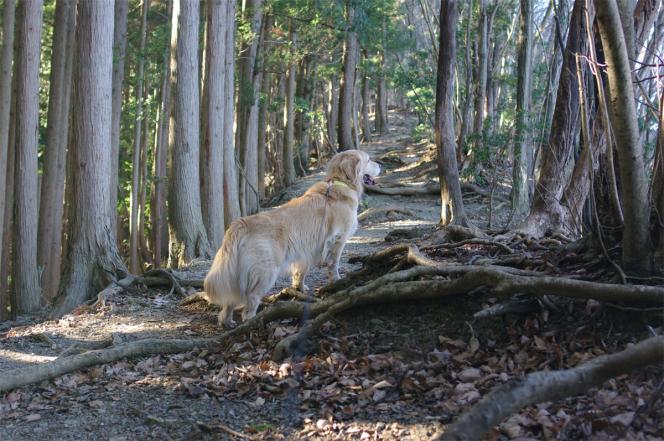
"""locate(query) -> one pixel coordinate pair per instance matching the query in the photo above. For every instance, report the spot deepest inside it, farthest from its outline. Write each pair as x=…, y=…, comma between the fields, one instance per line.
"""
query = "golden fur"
x=309, y=230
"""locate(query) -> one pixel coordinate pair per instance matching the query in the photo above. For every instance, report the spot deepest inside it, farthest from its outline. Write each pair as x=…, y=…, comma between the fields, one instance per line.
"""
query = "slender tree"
x=366, y=131
x=231, y=189
x=346, y=104
x=25, y=274
x=212, y=153
x=49, y=253
x=288, y=156
x=159, y=223
x=263, y=119
x=248, y=106
x=135, y=262
x=92, y=257
x=522, y=176
x=188, y=238
x=8, y=19
x=452, y=210
x=622, y=109
x=119, y=50
x=482, y=74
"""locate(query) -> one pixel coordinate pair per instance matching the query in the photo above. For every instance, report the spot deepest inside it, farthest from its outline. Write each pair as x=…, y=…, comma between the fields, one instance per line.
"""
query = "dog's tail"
x=221, y=284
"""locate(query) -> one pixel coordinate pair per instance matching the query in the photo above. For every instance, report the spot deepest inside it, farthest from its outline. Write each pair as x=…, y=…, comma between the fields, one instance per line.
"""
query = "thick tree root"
x=432, y=188
x=539, y=387
x=394, y=286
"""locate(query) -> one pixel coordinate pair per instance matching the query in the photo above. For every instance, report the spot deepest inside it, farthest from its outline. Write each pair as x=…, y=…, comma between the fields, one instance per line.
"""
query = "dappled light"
x=391, y=220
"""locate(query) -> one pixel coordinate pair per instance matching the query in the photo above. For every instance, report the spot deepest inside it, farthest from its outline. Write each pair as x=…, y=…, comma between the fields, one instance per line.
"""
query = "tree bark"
x=213, y=147
x=119, y=51
x=482, y=74
x=247, y=114
x=522, y=176
x=452, y=209
x=467, y=123
x=92, y=256
x=231, y=189
x=188, y=238
x=381, y=97
x=8, y=20
x=366, y=130
x=622, y=109
x=345, y=129
x=546, y=212
x=25, y=274
x=658, y=192
x=333, y=111
x=288, y=156
x=159, y=224
x=263, y=119
x=7, y=296
x=135, y=264
x=49, y=253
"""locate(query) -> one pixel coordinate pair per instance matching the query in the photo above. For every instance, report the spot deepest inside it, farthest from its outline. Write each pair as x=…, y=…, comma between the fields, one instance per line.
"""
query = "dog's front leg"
x=333, y=258
x=298, y=274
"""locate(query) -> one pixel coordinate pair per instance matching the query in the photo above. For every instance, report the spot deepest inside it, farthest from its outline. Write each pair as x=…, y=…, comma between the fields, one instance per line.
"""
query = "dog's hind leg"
x=259, y=283
x=298, y=274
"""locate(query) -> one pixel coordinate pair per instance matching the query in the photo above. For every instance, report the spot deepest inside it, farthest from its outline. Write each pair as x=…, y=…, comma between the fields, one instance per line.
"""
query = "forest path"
x=393, y=371
x=400, y=161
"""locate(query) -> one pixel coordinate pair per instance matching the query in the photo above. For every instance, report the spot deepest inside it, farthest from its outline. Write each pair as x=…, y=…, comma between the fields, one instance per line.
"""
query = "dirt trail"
x=395, y=372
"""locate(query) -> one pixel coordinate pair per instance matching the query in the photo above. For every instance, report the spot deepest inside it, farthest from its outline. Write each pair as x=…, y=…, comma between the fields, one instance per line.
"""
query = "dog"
x=307, y=231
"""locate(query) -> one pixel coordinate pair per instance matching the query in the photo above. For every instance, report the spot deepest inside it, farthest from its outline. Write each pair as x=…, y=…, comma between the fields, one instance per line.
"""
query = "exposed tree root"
x=549, y=386
x=432, y=188
x=394, y=286
x=374, y=212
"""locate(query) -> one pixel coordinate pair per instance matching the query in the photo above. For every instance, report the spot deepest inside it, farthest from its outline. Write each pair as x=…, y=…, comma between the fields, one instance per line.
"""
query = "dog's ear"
x=350, y=168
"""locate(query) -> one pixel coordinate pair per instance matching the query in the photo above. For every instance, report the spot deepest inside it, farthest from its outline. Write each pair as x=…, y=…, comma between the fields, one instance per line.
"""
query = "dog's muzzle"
x=368, y=180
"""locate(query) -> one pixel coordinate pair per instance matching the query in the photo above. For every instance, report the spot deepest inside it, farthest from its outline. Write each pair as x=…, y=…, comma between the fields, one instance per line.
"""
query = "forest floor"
x=395, y=372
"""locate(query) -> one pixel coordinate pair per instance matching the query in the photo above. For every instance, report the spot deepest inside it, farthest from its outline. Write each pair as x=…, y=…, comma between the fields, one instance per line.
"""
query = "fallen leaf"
x=33, y=417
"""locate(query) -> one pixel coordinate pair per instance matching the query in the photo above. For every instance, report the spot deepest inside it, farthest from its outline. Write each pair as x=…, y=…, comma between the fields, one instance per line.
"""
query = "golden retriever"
x=309, y=230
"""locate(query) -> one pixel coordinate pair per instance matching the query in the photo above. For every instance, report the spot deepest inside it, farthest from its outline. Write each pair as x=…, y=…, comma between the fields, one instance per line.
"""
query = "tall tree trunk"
x=333, y=111
x=49, y=253
x=25, y=273
x=622, y=109
x=366, y=130
x=135, y=264
x=482, y=73
x=7, y=296
x=8, y=19
x=266, y=80
x=231, y=189
x=248, y=102
x=452, y=210
x=213, y=147
x=92, y=257
x=188, y=238
x=159, y=224
x=345, y=130
x=381, y=97
x=119, y=52
x=658, y=192
x=522, y=176
x=546, y=212
x=466, y=127
x=288, y=156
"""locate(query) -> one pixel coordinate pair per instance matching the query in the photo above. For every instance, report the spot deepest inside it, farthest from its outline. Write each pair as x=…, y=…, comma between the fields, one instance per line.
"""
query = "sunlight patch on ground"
x=20, y=357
